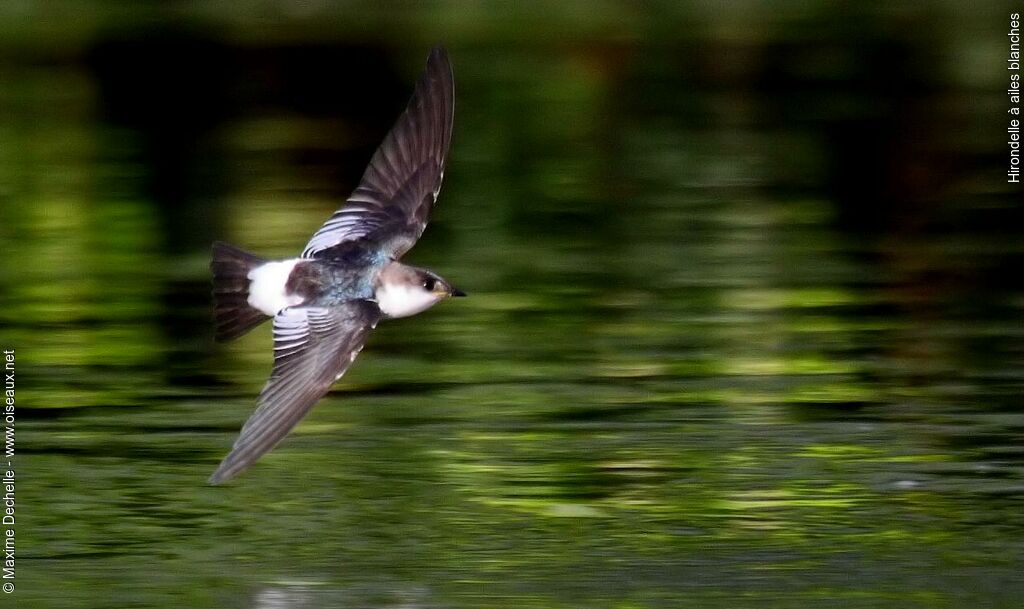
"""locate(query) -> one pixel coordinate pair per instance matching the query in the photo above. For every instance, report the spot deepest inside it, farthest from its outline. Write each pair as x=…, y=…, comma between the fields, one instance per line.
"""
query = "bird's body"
x=325, y=302
x=329, y=282
x=317, y=282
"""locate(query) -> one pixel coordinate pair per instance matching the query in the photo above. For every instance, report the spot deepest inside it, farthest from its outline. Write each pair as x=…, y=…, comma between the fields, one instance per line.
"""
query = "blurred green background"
x=744, y=329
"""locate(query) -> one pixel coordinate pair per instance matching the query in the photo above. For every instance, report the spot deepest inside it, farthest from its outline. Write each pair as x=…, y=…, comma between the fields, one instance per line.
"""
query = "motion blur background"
x=745, y=328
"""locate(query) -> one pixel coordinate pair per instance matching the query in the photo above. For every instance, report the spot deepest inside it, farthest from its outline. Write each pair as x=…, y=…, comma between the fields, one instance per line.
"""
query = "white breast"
x=267, y=287
x=403, y=300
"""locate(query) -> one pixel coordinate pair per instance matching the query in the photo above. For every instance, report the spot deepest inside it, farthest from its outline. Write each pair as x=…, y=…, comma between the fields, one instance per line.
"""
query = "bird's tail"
x=231, y=310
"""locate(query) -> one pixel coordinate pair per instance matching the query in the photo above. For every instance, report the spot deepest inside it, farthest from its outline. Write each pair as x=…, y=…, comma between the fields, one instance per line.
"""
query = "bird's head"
x=404, y=290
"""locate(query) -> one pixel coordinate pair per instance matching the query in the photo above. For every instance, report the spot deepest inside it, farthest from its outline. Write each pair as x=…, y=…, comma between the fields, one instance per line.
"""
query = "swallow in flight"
x=325, y=302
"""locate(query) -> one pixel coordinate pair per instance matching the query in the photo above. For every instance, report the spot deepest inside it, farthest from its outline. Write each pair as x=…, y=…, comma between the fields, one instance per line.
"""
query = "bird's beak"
x=456, y=292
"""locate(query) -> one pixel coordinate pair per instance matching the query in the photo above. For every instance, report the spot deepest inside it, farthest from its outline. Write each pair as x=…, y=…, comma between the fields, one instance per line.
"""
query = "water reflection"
x=742, y=333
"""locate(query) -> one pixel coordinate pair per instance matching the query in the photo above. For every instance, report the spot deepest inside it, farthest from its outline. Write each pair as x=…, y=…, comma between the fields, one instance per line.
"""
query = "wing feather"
x=313, y=347
x=392, y=203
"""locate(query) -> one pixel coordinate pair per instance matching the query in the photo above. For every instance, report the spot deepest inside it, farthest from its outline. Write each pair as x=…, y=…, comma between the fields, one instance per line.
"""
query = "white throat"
x=403, y=299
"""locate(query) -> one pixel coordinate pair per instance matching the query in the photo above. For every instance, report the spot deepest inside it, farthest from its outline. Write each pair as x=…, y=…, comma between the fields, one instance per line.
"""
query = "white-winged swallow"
x=325, y=302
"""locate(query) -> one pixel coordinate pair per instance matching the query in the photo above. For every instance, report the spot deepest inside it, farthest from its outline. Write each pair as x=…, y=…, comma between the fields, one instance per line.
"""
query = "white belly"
x=267, y=287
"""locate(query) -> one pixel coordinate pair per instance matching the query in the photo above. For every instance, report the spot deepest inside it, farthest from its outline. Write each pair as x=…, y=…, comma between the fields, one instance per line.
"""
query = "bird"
x=325, y=303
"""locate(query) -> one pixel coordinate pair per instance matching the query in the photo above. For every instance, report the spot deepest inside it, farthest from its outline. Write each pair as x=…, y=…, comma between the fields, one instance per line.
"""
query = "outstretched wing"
x=392, y=203
x=313, y=347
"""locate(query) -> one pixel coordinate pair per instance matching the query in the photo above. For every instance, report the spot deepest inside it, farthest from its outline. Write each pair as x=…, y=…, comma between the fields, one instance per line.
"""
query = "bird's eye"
x=428, y=284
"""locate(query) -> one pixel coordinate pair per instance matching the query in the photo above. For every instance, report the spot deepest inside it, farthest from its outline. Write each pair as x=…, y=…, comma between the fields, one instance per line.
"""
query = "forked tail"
x=231, y=310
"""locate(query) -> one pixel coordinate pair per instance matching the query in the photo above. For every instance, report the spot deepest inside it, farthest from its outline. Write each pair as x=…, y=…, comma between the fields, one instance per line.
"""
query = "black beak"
x=457, y=292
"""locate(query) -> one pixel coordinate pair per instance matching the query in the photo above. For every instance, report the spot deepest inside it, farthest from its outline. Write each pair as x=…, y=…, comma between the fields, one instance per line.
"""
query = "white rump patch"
x=267, y=287
x=403, y=300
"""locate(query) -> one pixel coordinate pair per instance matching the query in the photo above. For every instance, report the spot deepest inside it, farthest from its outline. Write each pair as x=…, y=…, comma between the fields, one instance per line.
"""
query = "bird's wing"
x=313, y=347
x=392, y=203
